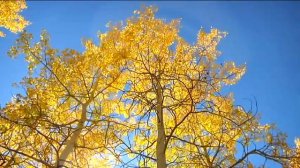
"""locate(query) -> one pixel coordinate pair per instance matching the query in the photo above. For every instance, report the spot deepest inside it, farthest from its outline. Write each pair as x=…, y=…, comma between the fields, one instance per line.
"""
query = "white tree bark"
x=73, y=139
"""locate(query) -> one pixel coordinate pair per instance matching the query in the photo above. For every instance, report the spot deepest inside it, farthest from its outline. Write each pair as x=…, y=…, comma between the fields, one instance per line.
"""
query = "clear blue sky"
x=265, y=35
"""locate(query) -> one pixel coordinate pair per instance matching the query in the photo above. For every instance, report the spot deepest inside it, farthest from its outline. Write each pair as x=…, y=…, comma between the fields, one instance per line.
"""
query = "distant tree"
x=10, y=17
x=142, y=97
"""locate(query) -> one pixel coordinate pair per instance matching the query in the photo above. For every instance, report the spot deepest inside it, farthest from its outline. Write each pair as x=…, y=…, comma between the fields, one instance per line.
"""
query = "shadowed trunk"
x=161, y=136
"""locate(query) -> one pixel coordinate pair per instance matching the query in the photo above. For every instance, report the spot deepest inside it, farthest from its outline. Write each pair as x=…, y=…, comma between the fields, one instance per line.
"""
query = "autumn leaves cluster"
x=10, y=17
x=143, y=96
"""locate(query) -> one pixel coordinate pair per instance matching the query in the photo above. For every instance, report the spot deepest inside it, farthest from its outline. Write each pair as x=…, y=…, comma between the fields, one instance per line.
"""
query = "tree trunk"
x=161, y=136
x=72, y=141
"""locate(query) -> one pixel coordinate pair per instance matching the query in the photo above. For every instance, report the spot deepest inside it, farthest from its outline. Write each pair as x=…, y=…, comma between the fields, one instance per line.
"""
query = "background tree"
x=10, y=17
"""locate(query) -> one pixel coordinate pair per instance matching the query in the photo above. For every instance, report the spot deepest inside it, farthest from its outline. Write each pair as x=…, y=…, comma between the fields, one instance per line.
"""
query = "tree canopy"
x=143, y=96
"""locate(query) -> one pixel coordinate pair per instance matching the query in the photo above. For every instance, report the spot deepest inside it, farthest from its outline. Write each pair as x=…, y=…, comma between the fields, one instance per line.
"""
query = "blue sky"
x=265, y=35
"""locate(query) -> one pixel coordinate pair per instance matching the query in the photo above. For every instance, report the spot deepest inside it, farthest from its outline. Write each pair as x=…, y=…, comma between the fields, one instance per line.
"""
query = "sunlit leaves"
x=295, y=162
x=9, y=16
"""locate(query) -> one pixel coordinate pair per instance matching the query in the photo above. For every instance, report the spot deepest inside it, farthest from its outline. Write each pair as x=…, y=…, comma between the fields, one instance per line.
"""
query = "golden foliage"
x=143, y=93
x=295, y=162
x=10, y=17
